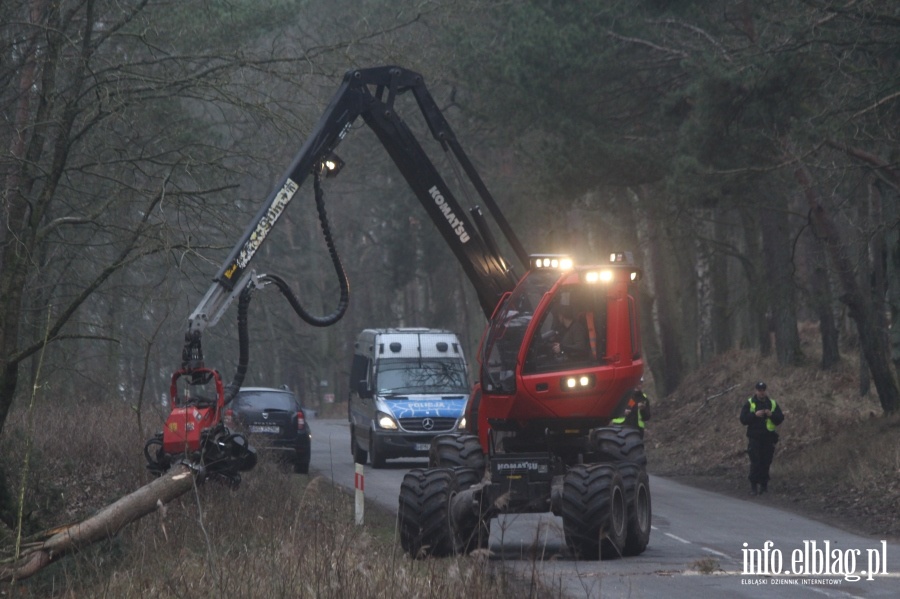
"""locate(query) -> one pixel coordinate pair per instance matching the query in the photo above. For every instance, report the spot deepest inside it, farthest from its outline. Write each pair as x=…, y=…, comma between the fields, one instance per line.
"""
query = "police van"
x=406, y=386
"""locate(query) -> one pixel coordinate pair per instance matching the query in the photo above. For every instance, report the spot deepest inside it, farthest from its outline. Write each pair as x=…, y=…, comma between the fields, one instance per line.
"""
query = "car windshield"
x=266, y=400
x=422, y=376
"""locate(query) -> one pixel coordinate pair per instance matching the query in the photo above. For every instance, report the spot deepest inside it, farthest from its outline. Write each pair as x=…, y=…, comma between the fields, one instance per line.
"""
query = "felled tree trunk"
x=103, y=525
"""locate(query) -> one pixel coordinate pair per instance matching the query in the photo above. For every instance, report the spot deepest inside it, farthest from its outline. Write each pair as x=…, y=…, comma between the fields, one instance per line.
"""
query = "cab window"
x=571, y=333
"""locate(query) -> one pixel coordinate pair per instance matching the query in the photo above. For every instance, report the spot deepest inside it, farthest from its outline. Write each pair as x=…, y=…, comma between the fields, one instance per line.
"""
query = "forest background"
x=746, y=152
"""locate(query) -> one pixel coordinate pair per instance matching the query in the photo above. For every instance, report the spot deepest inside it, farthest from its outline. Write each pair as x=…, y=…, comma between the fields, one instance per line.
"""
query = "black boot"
x=763, y=488
x=753, y=489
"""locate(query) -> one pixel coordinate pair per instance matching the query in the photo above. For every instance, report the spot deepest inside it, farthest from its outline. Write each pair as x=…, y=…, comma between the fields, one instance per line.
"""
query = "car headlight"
x=386, y=421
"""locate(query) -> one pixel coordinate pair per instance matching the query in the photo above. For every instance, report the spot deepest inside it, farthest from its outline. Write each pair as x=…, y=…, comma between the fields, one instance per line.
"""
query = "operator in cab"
x=571, y=339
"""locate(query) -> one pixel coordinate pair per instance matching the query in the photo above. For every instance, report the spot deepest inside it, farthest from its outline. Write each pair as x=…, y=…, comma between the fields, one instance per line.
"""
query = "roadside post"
x=359, y=481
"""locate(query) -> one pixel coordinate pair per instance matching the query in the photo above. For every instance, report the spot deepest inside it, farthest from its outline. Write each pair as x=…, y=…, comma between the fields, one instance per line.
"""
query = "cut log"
x=105, y=524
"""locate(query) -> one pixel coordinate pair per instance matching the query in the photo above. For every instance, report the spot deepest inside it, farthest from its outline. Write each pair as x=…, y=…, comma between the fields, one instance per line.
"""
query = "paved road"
x=702, y=545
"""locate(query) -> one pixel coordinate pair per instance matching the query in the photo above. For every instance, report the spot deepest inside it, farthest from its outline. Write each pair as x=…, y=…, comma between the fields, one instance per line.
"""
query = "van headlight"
x=386, y=421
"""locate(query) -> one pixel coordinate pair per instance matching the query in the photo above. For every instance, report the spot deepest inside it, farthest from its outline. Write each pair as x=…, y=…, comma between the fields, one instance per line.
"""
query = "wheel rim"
x=618, y=516
x=642, y=507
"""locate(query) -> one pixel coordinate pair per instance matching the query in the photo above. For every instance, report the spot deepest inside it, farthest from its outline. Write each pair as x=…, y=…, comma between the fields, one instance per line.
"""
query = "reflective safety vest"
x=640, y=417
x=769, y=424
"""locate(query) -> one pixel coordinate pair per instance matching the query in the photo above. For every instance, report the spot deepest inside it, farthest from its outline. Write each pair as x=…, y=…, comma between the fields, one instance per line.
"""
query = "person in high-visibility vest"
x=637, y=410
x=761, y=415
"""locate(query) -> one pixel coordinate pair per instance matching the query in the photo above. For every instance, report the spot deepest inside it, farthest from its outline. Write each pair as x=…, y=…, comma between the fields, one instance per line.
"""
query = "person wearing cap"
x=637, y=410
x=571, y=338
x=761, y=415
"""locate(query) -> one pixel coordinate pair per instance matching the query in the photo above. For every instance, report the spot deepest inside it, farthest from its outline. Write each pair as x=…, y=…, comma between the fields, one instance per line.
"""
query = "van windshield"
x=421, y=376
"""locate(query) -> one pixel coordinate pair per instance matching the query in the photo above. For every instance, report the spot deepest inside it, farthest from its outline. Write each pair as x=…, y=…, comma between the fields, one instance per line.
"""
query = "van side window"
x=359, y=371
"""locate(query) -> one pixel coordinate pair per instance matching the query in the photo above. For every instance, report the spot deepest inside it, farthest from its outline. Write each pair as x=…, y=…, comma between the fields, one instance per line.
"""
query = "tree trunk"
x=682, y=260
x=779, y=284
x=759, y=325
x=820, y=296
x=888, y=185
x=641, y=229
x=722, y=325
x=105, y=524
x=871, y=340
x=892, y=256
x=667, y=315
x=705, y=304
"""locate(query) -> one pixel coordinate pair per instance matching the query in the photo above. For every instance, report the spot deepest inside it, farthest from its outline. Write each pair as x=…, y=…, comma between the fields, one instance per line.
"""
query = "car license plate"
x=423, y=446
x=267, y=428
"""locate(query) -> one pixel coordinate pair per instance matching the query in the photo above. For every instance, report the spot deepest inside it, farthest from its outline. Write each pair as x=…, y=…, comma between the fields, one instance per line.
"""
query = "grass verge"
x=278, y=536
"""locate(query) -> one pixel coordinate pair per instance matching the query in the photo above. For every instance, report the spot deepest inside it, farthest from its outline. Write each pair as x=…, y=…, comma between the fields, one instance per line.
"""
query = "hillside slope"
x=837, y=460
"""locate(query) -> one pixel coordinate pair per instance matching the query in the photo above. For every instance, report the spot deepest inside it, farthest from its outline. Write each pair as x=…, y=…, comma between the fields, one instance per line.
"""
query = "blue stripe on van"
x=420, y=406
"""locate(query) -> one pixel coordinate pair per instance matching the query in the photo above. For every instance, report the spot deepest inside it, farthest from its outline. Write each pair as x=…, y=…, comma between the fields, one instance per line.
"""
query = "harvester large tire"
x=456, y=450
x=471, y=531
x=637, y=494
x=619, y=444
x=408, y=527
x=423, y=517
x=594, y=511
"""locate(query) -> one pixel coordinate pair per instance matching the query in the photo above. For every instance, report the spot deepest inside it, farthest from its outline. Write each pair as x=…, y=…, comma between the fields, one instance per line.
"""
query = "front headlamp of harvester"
x=621, y=263
x=626, y=260
x=578, y=382
x=599, y=276
x=559, y=262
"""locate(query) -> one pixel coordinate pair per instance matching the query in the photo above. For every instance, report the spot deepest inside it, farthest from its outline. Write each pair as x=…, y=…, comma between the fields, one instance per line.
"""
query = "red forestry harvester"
x=557, y=362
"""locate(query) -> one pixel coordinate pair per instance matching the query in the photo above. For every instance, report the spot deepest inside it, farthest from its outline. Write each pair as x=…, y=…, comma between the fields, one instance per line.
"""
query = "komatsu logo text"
x=458, y=227
x=502, y=466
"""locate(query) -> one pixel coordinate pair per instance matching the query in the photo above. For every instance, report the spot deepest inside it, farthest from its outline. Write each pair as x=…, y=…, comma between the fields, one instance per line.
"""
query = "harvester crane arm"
x=195, y=425
x=371, y=94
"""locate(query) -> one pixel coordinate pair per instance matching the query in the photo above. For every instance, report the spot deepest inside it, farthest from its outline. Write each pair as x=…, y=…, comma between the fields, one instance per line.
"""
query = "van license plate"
x=423, y=446
x=255, y=428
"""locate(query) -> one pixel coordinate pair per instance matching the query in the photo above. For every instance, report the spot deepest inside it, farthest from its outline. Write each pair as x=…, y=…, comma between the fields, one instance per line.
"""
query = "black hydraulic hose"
x=316, y=321
x=344, y=301
x=243, y=344
x=232, y=389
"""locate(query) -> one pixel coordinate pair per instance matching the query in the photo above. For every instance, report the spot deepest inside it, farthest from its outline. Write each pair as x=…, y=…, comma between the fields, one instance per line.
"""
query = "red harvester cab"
x=561, y=353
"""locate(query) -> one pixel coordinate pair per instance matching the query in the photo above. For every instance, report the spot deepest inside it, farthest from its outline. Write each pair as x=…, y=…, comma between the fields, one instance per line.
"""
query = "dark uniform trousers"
x=761, y=449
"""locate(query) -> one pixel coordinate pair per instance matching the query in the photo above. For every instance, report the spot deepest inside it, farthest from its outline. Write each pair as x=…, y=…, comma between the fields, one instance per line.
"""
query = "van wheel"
x=360, y=456
x=376, y=458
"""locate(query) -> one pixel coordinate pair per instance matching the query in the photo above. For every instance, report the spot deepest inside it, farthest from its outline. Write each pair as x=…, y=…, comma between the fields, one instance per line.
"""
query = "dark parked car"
x=274, y=422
